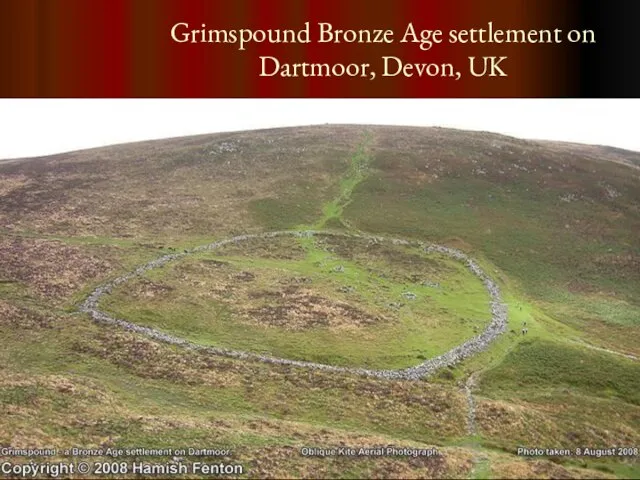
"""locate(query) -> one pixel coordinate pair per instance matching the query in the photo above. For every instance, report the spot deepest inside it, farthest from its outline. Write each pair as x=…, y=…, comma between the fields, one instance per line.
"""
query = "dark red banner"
x=324, y=48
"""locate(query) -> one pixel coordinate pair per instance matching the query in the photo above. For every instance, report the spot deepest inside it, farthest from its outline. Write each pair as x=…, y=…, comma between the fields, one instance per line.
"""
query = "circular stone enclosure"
x=334, y=299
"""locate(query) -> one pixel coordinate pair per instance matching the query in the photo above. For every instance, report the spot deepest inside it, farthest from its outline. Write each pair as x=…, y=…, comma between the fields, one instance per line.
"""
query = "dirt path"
x=606, y=350
x=476, y=344
x=358, y=172
x=480, y=461
x=469, y=385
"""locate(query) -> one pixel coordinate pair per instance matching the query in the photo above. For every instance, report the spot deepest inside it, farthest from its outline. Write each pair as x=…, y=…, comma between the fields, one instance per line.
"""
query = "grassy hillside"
x=555, y=225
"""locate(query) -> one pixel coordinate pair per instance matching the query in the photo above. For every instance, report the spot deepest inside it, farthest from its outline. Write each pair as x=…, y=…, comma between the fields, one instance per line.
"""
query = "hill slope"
x=555, y=224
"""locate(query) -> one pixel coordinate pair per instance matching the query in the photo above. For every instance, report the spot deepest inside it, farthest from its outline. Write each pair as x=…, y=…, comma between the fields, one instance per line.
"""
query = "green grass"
x=300, y=206
x=19, y=395
x=612, y=310
x=481, y=470
x=437, y=320
x=356, y=173
x=544, y=365
x=522, y=233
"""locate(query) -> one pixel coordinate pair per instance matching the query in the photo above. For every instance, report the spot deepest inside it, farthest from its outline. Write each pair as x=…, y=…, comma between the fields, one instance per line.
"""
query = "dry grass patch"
x=25, y=318
x=543, y=469
x=297, y=308
x=148, y=359
x=51, y=269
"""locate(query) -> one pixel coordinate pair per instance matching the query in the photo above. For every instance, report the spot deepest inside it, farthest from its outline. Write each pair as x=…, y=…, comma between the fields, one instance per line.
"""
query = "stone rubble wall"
x=480, y=342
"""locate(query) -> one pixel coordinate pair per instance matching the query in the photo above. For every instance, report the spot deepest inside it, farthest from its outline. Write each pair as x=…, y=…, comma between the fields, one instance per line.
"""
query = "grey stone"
x=476, y=344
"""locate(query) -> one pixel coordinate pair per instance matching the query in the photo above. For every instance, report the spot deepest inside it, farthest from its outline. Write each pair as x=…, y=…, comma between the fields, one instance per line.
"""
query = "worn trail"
x=606, y=350
x=469, y=385
x=476, y=344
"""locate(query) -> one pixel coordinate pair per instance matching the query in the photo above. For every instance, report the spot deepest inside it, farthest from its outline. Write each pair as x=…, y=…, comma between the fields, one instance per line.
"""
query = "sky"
x=33, y=127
